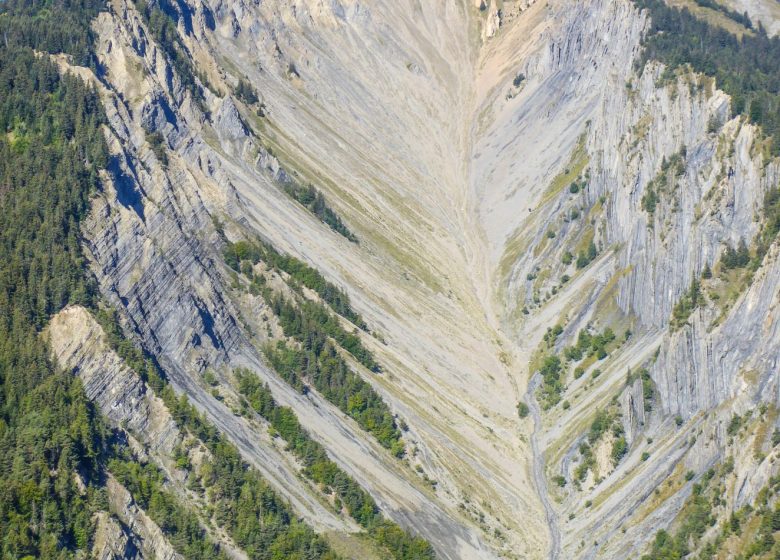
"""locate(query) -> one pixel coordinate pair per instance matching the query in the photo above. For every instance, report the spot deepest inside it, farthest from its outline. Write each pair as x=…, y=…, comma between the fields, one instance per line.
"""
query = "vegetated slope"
x=51, y=149
x=546, y=189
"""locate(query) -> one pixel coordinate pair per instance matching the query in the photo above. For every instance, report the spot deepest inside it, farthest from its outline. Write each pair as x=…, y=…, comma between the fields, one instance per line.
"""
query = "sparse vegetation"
x=671, y=169
x=606, y=421
x=161, y=19
x=311, y=324
x=590, y=345
x=552, y=368
x=314, y=358
x=700, y=512
x=245, y=505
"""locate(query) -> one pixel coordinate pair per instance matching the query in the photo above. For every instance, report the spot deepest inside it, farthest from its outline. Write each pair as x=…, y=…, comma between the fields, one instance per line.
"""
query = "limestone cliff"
x=475, y=150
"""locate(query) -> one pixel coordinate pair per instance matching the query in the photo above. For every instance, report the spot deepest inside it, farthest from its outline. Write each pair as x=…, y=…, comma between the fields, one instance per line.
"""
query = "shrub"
x=619, y=449
x=246, y=92
x=585, y=257
x=522, y=410
x=649, y=200
x=734, y=425
x=690, y=300
x=157, y=142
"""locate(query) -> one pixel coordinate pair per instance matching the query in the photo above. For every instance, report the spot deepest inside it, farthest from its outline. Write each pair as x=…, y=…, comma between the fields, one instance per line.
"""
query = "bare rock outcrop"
x=111, y=541
x=152, y=541
x=78, y=343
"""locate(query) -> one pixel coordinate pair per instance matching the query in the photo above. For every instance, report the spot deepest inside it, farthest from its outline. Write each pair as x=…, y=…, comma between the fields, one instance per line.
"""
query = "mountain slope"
x=546, y=267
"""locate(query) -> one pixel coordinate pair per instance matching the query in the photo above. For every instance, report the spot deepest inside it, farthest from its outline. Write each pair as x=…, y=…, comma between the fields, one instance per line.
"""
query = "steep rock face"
x=570, y=70
x=153, y=543
x=722, y=361
x=714, y=203
x=153, y=252
x=111, y=541
x=78, y=343
x=450, y=157
x=146, y=241
x=164, y=262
